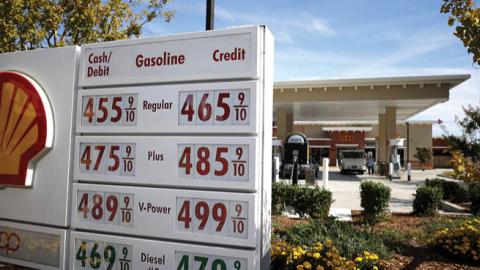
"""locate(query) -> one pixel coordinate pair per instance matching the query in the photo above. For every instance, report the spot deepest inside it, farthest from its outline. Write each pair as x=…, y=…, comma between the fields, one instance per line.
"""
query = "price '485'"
x=213, y=161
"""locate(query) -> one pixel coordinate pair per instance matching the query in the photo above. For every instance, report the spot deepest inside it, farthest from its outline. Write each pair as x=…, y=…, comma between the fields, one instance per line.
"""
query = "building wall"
x=420, y=136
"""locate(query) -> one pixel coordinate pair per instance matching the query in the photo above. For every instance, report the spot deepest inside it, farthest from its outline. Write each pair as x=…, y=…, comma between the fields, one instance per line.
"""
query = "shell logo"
x=26, y=128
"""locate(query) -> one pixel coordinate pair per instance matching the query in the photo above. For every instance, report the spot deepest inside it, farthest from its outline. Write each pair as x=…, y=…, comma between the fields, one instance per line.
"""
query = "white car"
x=352, y=161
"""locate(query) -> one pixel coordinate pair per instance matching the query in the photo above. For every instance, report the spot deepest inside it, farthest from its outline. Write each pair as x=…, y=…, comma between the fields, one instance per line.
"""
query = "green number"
x=237, y=265
x=82, y=253
x=110, y=256
x=203, y=262
x=219, y=262
x=183, y=265
x=95, y=257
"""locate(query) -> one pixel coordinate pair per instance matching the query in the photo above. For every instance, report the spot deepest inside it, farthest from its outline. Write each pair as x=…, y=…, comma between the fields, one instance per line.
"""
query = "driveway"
x=346, y=189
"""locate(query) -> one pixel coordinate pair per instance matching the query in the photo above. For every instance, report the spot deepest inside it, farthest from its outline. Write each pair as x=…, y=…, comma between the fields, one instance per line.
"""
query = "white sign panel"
x=32, y=246
x=214, y=107
x=97, y=251
x=226, y=54
x=226, y=163
x=197, y=216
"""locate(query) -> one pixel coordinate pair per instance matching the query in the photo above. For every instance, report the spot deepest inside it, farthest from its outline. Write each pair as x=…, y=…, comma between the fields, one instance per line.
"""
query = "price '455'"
x=109, y=110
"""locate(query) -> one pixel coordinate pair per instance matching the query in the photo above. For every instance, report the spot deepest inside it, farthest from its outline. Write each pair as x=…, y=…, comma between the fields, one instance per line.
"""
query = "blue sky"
x=317, y=39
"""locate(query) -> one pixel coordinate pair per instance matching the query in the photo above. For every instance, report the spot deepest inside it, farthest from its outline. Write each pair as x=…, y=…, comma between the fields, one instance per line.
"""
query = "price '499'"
x=214, y=217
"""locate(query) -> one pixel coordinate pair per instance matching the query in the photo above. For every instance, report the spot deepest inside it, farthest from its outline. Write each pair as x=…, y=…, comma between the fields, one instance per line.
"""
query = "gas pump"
x=394, y=157
x=295, y=155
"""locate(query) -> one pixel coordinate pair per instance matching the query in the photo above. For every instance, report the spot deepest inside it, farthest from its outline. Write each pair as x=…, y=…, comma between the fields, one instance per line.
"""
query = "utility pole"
x=210, y=14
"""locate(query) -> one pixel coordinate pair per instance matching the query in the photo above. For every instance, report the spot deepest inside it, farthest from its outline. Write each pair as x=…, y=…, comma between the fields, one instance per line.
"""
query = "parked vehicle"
x=352, y=161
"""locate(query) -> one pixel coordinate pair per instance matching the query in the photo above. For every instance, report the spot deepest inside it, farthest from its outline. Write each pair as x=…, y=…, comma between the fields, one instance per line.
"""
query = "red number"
x=238, y=209
x=203, y=165
x=187, y=108
x=86, y=158
x=202, y=214
x=116, y=108
x=222, y=104
x=88, y=112
x=115, y=158
x=104, y=110
x=83, y=205
x=223, y=161
x=239, y=168
x=220, y=218
x=185, y=160
x=101, y=150
x=184, y=214
x=112, y=206
x=97, y=211
x=204, y=109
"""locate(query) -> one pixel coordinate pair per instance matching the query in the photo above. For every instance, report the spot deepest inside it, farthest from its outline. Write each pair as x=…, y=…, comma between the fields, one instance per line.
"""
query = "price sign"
x=91, y=254
x=216, y=107
x=113, y=159
x=100, y=251
x=120, y=110
x=201, y=216
x=221, y=107
x=213, y=163
x=106, y=208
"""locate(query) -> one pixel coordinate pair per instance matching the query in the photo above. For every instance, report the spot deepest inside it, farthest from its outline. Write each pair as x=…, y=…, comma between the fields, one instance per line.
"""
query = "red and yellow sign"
x=26, y=128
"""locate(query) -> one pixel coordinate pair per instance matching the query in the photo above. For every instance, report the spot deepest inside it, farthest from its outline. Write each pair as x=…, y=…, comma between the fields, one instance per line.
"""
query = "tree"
x=466, y=19
x=424, y=155
x=31, y=24
x=466, y=148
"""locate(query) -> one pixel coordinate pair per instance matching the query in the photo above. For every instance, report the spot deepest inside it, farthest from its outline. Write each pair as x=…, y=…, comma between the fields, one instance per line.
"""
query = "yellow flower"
x=375, y=267
x=300, y=267
x=316, y=255
x=320, y=267
x=359, y=259
x=307, y=265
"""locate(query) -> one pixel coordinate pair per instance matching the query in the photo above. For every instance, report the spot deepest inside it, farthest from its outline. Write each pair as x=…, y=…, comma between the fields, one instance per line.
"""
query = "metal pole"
x=210, y=14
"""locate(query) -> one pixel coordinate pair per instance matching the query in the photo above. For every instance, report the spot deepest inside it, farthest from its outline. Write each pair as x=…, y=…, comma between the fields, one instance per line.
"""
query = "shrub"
x=320, y=255
x=474, y=192
x=374, y=200
x=427, y=201
x=306, y=201
x=313, y=202
x=451, y=191
x=351, y=241
x=462, y=242
x=278, y=198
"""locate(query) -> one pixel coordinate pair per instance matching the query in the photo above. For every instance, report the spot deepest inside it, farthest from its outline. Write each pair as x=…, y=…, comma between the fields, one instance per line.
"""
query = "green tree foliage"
x=424, y=155
x=468, y=143
x=31, y=24
x=466, y=19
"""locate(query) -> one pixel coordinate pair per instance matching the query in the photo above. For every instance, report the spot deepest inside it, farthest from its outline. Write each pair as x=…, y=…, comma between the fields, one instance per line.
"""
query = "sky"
x=319, y=39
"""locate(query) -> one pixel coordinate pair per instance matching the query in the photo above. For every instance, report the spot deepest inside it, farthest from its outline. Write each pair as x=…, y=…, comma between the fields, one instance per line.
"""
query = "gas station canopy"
x=363, y=99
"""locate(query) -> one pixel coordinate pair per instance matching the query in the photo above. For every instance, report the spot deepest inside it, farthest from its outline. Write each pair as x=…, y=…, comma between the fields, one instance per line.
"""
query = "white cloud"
x=224, y=14
x=320, y=25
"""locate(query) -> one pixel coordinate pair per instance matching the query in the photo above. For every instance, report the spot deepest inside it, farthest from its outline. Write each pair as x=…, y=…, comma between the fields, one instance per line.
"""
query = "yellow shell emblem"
x=25, y=116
